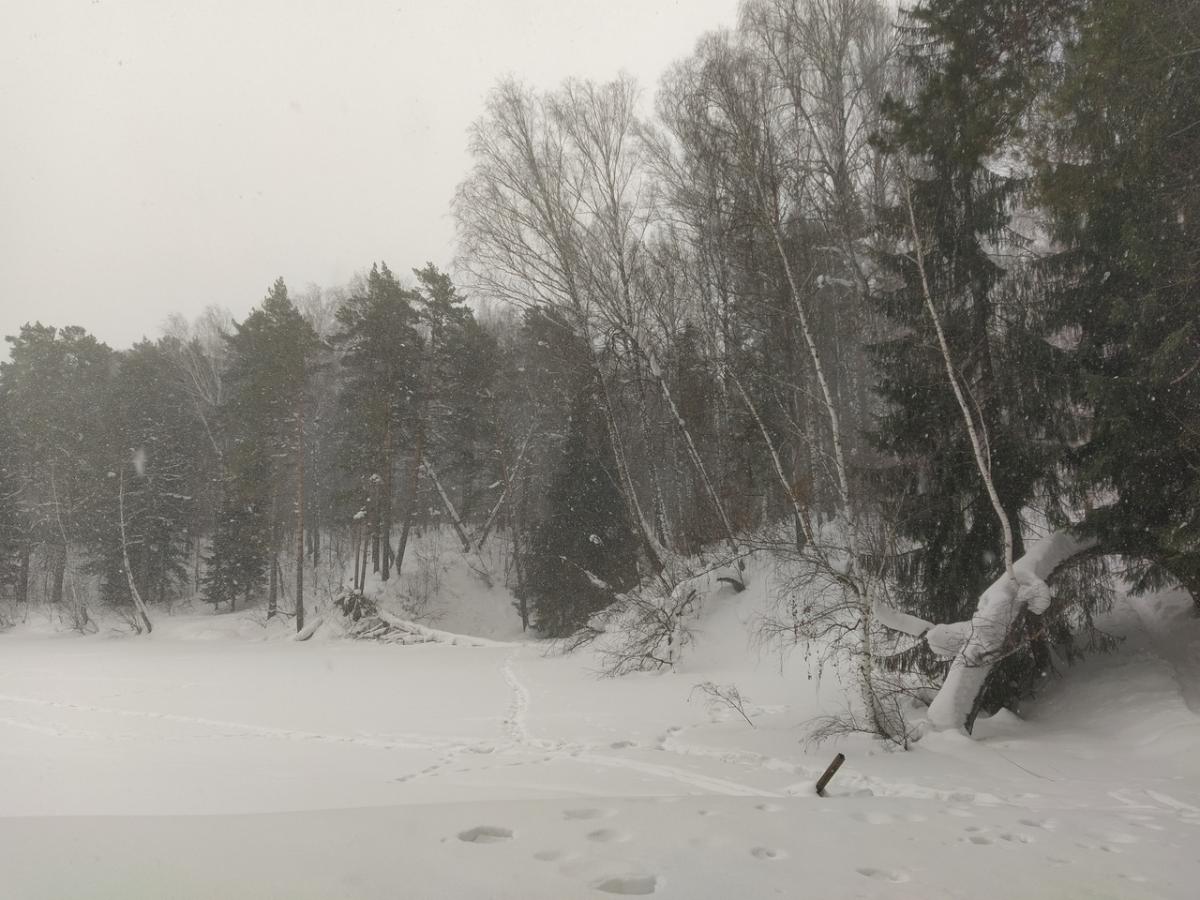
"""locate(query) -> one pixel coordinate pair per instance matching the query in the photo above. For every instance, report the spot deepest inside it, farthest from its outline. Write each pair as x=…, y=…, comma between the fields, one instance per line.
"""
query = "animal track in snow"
x=890, y=875
x=769, y=807
x=630, y=885
x=549, y=855
x=485, y=834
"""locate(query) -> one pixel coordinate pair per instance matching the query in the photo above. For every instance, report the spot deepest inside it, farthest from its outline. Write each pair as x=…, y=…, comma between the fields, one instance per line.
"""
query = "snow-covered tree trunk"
x=977, y=645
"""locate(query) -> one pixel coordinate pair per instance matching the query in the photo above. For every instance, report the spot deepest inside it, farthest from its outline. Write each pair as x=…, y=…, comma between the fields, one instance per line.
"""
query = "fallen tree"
x=975, y=646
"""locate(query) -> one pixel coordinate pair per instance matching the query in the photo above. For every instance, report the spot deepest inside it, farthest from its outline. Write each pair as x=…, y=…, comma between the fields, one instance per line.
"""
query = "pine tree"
x=269, y=358
x=462, y=363
x=381, y=362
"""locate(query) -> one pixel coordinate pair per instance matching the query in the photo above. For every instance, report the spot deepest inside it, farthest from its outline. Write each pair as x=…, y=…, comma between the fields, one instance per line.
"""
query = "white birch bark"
x=975, y=646
x=982, y=456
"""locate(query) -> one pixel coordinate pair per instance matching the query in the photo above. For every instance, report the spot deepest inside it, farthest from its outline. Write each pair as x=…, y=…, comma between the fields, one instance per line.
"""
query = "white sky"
x=160, y=155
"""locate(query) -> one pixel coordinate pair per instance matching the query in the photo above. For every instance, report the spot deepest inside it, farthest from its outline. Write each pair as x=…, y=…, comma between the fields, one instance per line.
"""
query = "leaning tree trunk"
x=138, y=603
x=637, y=520
x=977, y=645
x=410, y=494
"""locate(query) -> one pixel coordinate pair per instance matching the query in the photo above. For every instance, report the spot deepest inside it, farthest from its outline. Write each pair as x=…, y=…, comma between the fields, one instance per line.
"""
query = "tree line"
x=882, y=295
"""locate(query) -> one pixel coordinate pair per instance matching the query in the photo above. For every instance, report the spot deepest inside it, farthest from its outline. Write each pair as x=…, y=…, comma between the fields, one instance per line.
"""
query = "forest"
x=907, y=304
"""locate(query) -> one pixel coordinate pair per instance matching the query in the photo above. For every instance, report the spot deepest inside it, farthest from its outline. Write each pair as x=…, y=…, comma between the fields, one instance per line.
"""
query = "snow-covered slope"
x=172, y=766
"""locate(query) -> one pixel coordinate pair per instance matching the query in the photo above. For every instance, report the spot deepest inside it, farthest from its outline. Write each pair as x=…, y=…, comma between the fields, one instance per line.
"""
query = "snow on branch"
x=975, y=645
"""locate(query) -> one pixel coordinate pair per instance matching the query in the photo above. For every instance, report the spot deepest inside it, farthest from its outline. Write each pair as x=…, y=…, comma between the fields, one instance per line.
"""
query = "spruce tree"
x=582, y=553
x=1119, y=178
x=974, y=66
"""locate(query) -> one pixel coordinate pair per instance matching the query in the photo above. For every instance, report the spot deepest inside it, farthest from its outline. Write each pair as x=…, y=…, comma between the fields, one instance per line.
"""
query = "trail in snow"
x=679, y=800
x=516, y=725
x=388, y=742
x=1169, y=621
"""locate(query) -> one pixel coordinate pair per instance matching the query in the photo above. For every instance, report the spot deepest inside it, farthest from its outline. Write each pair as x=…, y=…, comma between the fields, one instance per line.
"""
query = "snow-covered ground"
x=217, y=759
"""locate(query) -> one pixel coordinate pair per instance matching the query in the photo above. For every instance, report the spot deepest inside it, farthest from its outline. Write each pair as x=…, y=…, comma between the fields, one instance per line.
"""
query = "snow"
x=998, y=608
x=217, y=757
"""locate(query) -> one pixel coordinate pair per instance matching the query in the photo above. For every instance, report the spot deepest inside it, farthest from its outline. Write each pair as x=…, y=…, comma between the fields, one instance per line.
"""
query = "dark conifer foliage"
x=761, y=319
x=380, y=410
x=152, y=459
x=974, y=65
x=582, y=553
x=1119, y=177
x=270, y=355
x=53, y=390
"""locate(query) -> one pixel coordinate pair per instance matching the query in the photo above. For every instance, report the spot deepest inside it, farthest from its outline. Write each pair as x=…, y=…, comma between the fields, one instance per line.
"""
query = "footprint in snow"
x=630, y=885
x=767, y=853
x=1044, y=824
x=1122, y=839
x=873, y=817
x=552, y=856
x=769, y=807
x=608, y=836
x=588, y=813
x=1016, y=838
x=895, y=876
x=485, y=834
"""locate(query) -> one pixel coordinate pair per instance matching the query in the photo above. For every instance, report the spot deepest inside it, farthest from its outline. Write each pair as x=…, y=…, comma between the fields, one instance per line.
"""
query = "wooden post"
x=829, y=773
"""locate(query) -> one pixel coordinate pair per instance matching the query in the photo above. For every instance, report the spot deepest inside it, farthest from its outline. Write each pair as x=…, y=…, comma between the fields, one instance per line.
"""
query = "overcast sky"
x=160, y=155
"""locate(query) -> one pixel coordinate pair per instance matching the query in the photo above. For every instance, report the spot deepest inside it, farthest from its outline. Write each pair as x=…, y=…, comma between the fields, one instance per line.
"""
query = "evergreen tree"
x=583, y=553
x=462, y=362
x=153, y=451
x=52, y=389
x=269, y=358
x=12, y=536
x=974, y=65
x=381, y=355
x=1119, y=178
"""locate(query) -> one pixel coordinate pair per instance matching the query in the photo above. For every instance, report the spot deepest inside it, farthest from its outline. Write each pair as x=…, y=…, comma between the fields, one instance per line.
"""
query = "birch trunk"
x=982, y=455
x=975, y=646
x=133, y=591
